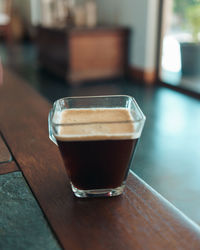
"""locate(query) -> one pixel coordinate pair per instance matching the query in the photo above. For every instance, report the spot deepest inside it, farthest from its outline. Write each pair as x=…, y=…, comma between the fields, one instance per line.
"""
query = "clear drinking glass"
x=97, y=138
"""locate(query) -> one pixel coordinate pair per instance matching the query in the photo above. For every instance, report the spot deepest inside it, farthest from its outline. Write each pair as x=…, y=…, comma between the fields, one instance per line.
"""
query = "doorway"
x=180, y=45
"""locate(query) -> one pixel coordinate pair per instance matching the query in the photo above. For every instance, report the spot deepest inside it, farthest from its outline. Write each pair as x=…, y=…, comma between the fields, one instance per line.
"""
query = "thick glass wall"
x=180, y=64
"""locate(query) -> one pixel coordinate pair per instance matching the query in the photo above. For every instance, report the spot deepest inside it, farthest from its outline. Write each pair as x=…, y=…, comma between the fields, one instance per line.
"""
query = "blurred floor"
x=168, y=156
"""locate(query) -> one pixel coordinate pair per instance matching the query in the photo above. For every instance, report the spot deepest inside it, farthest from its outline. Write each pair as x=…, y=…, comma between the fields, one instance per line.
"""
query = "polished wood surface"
x=84, y=54
x=8, y=167
x=5, y=155
x=139, y=219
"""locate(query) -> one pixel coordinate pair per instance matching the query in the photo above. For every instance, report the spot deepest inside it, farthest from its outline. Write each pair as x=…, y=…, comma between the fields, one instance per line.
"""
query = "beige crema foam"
x=95, y=124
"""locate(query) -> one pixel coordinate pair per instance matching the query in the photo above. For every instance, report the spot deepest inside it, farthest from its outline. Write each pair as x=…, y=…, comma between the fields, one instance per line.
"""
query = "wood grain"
x=8, y=167
x=139, y=219
x=5, y=155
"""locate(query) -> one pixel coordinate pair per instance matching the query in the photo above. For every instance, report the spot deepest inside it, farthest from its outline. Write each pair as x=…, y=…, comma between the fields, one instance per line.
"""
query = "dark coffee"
x=97, y=164
x=97, y=146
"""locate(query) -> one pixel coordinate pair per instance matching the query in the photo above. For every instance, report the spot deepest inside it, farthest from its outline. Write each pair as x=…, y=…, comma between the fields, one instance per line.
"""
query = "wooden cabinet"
x=84, y=54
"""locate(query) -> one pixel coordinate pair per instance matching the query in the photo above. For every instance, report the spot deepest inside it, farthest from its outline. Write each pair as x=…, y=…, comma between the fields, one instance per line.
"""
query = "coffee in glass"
x=97, y=137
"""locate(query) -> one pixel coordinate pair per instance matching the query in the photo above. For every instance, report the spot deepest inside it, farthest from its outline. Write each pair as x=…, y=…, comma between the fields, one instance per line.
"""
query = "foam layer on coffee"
x=95, y=124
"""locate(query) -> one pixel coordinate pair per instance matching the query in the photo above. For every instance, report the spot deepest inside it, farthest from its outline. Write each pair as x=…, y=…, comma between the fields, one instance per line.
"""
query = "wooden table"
x=139, y=219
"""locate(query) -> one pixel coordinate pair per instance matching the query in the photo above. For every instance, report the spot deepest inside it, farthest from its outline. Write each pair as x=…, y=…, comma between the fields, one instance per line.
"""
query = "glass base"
x=108, y=192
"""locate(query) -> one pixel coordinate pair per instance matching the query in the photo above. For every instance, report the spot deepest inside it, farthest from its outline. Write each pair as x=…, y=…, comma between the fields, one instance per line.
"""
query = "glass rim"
x=143, y=118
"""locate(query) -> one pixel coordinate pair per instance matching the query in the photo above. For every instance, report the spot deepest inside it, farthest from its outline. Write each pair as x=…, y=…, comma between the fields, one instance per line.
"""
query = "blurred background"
x=149, y=49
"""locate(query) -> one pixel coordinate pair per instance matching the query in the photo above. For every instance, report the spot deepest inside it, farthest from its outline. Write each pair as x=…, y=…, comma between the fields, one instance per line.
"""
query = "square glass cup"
x=97, y=138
